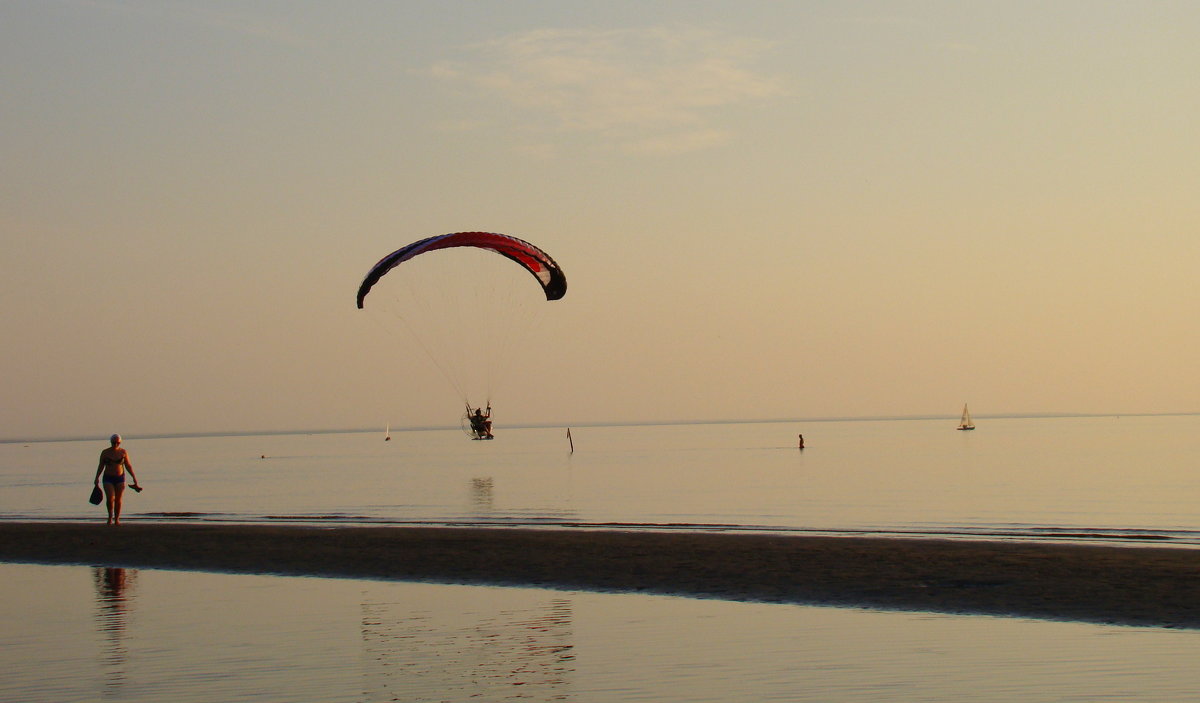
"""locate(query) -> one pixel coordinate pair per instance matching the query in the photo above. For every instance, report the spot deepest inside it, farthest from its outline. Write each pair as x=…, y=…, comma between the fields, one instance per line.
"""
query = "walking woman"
x=114, y=463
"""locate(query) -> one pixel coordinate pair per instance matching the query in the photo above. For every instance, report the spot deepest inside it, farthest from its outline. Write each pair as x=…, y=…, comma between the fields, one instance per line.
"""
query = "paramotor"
x=469, y=311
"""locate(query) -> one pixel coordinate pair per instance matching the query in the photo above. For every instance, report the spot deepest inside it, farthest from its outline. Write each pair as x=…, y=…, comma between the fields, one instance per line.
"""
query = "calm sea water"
x=90, y=634
x=1125, y=479
x=76, y=633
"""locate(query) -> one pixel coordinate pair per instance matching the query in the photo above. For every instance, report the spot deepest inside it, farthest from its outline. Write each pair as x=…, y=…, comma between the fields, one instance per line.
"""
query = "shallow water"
x=1125, y=479
x=91, y=633
x=85, y=634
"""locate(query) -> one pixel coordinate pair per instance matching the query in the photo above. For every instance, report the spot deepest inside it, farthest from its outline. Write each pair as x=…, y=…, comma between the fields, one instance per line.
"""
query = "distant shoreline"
x=1140, y=585
x=103, y=436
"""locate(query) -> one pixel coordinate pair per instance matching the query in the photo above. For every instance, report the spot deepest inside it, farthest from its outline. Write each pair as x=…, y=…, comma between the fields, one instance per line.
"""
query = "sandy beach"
x=1104, y=584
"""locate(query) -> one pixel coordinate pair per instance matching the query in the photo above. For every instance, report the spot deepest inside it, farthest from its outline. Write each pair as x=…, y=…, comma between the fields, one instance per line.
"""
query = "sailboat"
x=387, y=433
x=965, y=423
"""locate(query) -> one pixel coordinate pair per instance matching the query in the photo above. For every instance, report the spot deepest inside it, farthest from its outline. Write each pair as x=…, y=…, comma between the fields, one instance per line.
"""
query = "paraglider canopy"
x=469, y=311
x=531, y=258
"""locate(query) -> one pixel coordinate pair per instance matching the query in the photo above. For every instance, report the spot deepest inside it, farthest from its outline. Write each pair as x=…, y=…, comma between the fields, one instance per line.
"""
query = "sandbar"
x=1143, y=586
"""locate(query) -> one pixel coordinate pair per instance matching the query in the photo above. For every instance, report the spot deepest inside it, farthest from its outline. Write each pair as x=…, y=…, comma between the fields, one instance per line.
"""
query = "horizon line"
x=617, y=423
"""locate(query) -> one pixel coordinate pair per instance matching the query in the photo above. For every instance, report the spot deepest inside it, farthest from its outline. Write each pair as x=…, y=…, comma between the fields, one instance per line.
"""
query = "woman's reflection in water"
x=114, y=588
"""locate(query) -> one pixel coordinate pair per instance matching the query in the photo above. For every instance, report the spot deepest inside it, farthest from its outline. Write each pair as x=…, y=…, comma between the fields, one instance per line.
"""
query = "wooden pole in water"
x=570, y=440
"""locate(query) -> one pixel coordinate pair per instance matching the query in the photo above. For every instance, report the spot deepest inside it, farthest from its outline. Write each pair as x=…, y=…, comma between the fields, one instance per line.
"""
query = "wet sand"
x=1119, y=585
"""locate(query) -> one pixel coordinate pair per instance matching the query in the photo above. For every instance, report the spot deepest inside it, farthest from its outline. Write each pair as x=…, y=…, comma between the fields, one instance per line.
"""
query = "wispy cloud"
x=655, y=89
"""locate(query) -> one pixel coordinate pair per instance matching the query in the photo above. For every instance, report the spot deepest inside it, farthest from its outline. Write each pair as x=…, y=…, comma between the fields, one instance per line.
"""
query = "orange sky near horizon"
x=764, y=210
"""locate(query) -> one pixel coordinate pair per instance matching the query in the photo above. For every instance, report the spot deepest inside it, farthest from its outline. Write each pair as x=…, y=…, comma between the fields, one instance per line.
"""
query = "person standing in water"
x=114, y=463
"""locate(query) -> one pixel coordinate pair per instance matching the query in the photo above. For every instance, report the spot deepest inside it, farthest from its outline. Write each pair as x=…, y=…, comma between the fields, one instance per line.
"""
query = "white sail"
x=965, y=423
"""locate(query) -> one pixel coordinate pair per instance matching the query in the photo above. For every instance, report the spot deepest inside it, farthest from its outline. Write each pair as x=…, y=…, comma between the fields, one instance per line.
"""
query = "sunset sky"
x=763, y=209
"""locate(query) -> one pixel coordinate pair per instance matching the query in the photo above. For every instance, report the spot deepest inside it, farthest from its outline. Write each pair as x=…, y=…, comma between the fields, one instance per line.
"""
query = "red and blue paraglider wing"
x=529, y=257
